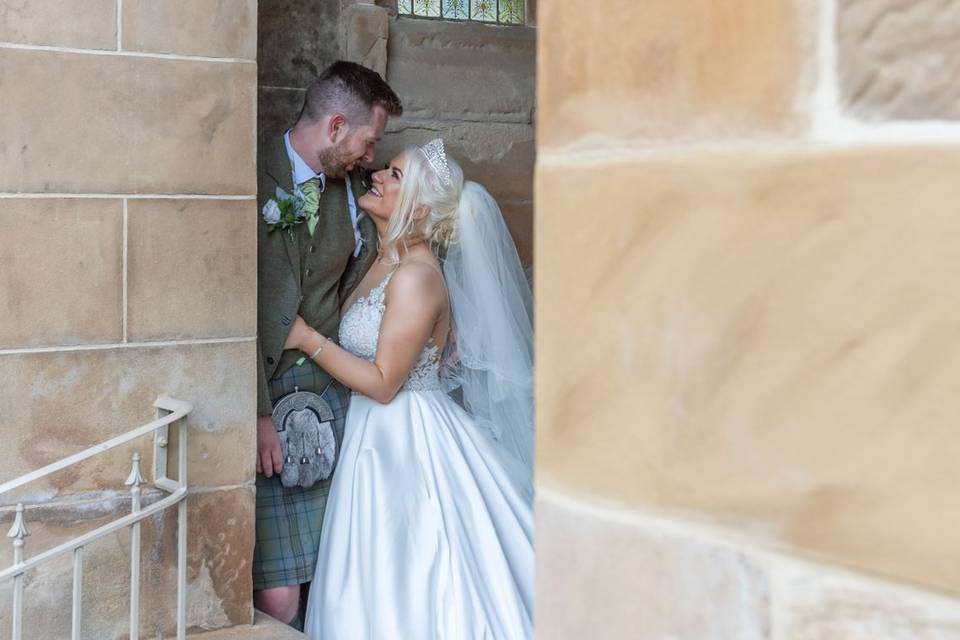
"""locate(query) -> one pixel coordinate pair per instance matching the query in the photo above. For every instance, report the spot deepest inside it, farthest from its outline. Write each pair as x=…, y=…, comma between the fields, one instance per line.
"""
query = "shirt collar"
x=301, y=170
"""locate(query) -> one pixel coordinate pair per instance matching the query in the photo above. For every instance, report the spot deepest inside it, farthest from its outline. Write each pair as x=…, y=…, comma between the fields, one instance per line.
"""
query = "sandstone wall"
x=127, y=271
x=746, y=244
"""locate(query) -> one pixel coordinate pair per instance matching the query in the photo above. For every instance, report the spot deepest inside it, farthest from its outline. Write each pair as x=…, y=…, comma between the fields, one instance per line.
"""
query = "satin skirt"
x=425, y=536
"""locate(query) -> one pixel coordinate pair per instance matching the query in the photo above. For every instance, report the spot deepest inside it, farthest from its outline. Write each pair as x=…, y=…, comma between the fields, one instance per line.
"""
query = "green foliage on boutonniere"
x=285, y=211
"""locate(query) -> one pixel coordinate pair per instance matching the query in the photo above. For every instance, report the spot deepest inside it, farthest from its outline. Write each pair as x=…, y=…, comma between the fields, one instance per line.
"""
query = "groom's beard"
x=334, y=161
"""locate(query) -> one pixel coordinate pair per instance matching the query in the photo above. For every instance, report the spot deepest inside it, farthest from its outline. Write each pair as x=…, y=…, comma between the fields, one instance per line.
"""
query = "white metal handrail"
x=169, y=412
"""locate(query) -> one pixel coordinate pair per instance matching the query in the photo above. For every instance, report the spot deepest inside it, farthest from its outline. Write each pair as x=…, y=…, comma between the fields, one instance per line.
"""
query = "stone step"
x=263, y=628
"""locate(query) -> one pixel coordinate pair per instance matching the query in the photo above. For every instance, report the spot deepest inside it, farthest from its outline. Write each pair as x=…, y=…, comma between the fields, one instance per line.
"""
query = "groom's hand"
x=269, y=457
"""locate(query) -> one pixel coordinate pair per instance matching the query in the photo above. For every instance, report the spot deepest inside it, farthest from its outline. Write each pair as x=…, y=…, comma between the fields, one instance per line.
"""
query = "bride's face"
x=384, y=194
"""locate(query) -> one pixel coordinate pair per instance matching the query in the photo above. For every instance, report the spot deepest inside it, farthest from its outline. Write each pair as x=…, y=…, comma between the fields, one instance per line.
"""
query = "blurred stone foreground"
x=747, y=320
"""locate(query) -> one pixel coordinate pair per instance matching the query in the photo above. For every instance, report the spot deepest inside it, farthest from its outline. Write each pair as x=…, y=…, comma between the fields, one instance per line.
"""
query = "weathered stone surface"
x=898, y=59
x=814, y=604
x=519, y=218
x=366, y=28
x=192, y=269
x=277, y=111
x=81, y=24
x=56, y=404
x=61, y=271
x=213, y=28
x=462, y=71
x=136, y=125
x=264, y=628
x=603, y=578
x=765, y=340
x=220, y=535
x=297, y=39
x=633, y=73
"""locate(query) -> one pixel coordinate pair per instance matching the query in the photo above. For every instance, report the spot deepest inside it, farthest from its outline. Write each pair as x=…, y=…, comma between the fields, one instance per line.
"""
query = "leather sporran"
x=304, y=422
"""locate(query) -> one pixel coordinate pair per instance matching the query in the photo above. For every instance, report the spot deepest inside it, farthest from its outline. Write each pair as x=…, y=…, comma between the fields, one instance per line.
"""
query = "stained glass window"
x=492, y=11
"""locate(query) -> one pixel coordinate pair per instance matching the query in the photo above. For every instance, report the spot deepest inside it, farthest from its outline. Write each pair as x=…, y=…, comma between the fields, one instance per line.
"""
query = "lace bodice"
x=360, y=332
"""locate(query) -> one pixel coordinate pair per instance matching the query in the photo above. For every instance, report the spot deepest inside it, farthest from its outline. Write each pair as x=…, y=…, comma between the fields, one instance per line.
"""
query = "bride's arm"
x=413, y=304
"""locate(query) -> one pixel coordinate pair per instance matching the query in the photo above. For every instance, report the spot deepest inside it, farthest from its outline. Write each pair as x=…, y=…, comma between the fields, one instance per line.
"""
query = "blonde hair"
x=422, y=187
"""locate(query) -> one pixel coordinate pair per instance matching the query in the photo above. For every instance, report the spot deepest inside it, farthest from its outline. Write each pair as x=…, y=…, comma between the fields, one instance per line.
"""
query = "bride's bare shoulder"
x=419, y=278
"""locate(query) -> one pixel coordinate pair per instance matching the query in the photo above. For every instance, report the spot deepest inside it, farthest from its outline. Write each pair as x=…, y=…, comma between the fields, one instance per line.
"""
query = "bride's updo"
x=423, y=187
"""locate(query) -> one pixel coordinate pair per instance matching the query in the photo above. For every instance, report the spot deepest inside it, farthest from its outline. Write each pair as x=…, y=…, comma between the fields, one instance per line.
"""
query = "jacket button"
x=285, y=321
x=269, y=360
x=309, y=272
x=313, y=249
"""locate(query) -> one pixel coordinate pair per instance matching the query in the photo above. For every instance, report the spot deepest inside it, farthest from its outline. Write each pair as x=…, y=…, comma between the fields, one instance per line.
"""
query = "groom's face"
x=356, y=144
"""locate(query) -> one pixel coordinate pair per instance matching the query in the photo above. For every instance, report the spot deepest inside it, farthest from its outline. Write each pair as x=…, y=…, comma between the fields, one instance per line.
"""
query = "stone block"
x=898, y=58
x=816, y=604
x=57, y=404
x=212, y=28
x=366, y=28
x=638, y=73
x=264, y=628
x=446, y=70
x=79, y=24
x=192, y=269
x=62, y=271
x=136, y=125
x=765, y=341
x=220, y=536
x=600, y=577
x=297, y=39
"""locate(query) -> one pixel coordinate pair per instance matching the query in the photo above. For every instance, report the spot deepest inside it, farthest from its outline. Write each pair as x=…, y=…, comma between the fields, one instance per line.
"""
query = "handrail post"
x=182, y=536
x=134, y=480
x=77, y=612
x=18, y=532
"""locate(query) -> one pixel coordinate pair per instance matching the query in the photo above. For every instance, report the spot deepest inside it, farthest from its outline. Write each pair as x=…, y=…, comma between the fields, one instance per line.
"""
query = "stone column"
x=746, y=248
x=128, y=253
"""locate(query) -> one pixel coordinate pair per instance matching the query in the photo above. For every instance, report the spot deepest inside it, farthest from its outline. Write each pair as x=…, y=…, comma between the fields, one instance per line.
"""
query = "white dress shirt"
x=302, y=172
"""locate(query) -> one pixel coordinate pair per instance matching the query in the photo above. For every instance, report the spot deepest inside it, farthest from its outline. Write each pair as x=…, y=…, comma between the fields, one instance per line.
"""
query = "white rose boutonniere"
x=284, y=212
x=271, y=212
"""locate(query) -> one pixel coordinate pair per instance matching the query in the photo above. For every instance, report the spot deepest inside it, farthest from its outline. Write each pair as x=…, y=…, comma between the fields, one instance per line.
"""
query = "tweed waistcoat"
x=323, y=259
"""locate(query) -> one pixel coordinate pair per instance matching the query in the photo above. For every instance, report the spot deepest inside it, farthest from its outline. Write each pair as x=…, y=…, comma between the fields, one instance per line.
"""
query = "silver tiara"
x=437, y=159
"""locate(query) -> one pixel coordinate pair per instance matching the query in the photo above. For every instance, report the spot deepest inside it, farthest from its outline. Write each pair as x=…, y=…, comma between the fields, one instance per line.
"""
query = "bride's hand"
x=300, y=332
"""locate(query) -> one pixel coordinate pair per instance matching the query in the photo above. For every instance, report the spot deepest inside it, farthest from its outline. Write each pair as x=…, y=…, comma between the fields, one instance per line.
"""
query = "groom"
x=307, y=267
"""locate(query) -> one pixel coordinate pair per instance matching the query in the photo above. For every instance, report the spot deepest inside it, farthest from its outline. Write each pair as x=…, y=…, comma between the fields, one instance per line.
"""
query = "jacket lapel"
x=278, y=168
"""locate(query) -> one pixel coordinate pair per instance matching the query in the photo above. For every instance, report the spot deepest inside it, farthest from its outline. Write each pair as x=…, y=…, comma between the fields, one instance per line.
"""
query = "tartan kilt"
x=289, y=518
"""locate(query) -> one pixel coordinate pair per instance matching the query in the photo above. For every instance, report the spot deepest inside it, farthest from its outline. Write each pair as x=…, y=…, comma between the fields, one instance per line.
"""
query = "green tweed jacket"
x=309, y=275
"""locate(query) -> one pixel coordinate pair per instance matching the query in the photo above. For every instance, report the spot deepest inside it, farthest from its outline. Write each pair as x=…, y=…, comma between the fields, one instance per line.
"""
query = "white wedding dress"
x=425, y=535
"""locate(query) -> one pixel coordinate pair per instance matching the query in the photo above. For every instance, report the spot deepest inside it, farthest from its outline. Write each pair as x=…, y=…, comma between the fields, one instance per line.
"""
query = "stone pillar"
x=365, y=30
x=746, y=311
x=128, y=253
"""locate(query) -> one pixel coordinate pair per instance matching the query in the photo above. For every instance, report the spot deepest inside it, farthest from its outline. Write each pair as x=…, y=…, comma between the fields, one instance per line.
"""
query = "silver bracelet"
x=323, y=343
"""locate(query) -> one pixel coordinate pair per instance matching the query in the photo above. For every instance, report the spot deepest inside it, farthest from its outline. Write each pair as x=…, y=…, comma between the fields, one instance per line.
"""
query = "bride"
x=428, y=528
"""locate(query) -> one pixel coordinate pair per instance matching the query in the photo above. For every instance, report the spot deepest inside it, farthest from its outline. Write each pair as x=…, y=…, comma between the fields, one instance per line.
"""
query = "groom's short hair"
x=351, y=89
